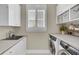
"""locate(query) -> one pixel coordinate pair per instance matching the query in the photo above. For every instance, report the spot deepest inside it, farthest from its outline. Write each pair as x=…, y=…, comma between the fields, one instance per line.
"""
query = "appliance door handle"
x=66, y=47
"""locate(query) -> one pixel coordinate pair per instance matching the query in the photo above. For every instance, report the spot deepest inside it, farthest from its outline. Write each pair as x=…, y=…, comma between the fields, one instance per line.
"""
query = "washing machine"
x=61, y=50
x=66, y=49
x=53, y=45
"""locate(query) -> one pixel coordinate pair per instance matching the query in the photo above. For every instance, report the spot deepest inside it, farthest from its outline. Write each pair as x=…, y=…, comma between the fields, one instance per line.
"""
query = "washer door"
x=63, y=52
x=52, y=47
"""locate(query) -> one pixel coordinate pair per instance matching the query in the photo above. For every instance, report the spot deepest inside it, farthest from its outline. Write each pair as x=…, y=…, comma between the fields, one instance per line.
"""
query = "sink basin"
x=13, y=38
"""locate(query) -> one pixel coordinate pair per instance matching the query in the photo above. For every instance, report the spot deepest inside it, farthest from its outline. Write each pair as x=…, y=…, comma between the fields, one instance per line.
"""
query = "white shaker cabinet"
x=18, y=49
x=9, y=15
x=14, y=15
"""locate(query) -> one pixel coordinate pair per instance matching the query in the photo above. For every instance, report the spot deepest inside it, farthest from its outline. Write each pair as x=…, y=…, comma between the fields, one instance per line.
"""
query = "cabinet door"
x=74, y=12
x=14, y=15
x=66, y=16
x=63, y=7
x=59, y=19
x=18, y=49
x=3, y=14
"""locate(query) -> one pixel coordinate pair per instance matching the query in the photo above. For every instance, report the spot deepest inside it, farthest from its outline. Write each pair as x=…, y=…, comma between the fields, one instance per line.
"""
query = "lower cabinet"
x=18, y=49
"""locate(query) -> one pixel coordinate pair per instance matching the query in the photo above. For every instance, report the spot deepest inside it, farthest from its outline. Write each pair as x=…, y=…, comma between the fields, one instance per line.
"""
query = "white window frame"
x=36, y=28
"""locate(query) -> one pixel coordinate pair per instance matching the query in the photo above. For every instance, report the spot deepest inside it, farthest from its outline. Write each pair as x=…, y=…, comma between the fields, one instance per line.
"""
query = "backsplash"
x=74, y=28
x=4, y=30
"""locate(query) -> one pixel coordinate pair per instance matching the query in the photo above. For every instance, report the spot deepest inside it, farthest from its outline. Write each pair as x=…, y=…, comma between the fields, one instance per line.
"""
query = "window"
x=41, y=18
x=31, y=18
x=36, y=18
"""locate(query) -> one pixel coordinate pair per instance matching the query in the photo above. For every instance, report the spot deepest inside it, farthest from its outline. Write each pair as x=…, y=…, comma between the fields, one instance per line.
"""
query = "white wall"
x=52, y=26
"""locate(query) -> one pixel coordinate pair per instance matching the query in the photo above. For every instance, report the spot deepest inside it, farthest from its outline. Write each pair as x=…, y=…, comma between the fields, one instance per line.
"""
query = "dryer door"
x=52, y=47
x=63, y=52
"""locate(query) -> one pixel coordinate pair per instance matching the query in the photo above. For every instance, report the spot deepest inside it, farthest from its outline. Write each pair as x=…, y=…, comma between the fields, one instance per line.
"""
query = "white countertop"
x=7, y=44
x=72, y=40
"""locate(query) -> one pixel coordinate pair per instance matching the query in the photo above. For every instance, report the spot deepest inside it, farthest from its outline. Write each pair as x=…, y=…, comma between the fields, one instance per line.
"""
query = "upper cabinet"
x=36, y=18
x=63, y=7
x=62, y=18
x=74, y=12
x=14, y=15
x=67, y=13
x=9, y=15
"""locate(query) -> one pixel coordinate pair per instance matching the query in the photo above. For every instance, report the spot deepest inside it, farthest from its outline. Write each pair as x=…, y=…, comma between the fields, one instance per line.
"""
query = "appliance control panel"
x=69, y=48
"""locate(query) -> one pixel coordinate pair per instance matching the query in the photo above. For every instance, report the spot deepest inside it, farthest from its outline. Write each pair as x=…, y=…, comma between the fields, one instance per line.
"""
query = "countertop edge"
x=69, y=42
x=11, y=46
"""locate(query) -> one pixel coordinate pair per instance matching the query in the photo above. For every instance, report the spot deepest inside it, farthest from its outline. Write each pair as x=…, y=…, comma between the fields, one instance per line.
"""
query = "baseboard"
x=37, y=52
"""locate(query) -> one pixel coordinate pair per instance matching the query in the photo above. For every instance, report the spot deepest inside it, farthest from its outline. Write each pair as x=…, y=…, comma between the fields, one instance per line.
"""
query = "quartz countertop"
x=72, y=40
x=7, y=44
